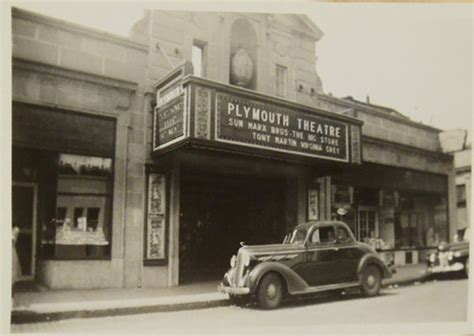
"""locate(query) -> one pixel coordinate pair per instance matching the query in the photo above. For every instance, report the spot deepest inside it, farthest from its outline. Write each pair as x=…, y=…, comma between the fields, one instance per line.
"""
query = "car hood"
x=458, y=246
x=271, y=248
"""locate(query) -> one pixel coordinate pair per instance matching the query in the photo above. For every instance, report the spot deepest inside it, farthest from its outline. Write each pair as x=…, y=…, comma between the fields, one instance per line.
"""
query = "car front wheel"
x=270, y=291
x=371, y=281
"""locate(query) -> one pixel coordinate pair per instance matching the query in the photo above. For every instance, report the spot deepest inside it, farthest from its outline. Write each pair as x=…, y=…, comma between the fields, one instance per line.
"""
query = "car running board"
x=324, y=288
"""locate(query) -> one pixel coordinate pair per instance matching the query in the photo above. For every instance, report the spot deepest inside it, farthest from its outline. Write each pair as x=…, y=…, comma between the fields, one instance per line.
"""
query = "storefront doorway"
x=24, y=198
x=217, y=213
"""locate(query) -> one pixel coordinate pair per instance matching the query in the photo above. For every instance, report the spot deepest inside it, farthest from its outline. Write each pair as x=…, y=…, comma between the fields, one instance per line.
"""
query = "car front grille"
x=443, y=259
x=239, y=269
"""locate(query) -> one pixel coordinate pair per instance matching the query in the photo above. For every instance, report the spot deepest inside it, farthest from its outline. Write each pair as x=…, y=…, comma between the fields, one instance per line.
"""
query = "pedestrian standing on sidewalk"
x=16, y=270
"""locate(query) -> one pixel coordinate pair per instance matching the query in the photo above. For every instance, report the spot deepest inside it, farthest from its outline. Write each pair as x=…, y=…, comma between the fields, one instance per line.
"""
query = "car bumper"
x=233, y=290
x=448, y=268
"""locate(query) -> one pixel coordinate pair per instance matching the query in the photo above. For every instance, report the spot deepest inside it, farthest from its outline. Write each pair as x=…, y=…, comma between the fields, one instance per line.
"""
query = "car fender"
x=462, y=258
x=293, y=281
x=463, y=254
x=373, y=259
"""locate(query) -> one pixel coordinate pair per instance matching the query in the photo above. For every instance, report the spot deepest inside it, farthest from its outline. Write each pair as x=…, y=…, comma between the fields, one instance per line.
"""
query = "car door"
x=321, y=257
x=348, y=255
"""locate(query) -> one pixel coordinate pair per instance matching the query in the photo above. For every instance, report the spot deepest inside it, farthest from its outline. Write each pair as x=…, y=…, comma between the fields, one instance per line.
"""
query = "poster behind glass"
x=313, y=203
x=156, y=218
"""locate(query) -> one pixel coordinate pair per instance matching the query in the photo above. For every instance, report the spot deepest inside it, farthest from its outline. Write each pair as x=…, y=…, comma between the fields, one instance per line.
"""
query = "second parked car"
x=315, y=257
x=452, y=257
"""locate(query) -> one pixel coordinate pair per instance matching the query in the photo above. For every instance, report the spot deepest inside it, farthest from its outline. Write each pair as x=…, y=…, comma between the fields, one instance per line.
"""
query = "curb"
x=403, y=283
x=24, y=317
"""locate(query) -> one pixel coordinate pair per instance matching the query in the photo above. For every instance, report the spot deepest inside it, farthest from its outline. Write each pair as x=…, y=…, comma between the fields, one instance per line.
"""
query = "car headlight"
x=233, y=261
x=457, y=254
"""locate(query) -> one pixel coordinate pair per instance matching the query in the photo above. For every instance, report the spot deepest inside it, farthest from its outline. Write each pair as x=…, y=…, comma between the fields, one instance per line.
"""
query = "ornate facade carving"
x=202, y=109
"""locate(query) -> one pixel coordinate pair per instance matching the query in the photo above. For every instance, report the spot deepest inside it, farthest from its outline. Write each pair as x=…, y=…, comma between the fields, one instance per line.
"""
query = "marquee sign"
x=169, y=122
x=169, y=116
x=196, y=111
x=262, y=125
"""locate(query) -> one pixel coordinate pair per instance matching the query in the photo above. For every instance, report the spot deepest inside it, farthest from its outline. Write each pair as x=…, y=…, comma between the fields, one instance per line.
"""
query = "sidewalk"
x=53, y=305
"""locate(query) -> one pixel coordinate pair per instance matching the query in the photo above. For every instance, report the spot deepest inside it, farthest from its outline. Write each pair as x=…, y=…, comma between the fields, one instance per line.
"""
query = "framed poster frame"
x=312, y=209
x=156, y=210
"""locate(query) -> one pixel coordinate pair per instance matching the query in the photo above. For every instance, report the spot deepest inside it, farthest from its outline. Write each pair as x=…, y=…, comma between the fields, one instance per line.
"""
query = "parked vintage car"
x=315, y=257
x=452, y=257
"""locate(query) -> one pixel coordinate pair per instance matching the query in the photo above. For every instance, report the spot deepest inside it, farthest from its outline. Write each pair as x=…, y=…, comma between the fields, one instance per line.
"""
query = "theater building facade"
x=145, y=161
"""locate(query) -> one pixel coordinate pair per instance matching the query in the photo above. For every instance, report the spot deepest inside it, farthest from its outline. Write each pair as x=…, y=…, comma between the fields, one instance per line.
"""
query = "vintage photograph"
x=239, y=168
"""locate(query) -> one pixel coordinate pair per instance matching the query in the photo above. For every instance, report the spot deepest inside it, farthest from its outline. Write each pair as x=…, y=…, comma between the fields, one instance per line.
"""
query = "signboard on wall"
x=155, y=249
x=265, y=125
x=169, y=122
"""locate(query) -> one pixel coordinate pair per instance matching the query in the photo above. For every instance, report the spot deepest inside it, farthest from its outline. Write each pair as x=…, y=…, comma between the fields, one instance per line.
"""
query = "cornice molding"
x=73, y=74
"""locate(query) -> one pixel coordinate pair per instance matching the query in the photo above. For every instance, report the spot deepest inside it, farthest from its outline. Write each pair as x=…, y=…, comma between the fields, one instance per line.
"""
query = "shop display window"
x=81, y=225
x=392, y=219
x=368, y=228
x=67, y=157
x=342, y=194
x=421, y=221
x=461, y=195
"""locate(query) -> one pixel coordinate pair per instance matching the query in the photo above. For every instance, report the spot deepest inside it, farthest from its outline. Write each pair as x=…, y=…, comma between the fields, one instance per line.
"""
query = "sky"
x=415, y=58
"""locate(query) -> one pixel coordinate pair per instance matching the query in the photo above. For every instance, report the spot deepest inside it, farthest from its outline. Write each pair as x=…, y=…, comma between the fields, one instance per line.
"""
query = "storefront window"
x=392, y=219
x=420, y=221
x=368, y=227
x=343, y=208
x=461, y=195
x=80, y=228
x=73, y=198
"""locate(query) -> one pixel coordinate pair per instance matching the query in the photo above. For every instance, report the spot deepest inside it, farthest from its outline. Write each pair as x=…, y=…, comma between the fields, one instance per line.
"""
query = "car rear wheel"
x=270, y=291
x=371, y=281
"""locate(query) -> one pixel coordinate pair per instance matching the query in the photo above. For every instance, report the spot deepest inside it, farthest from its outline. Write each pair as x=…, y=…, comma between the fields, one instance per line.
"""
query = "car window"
x=466, y=235
x=315, y=237
x=323, y=235
x=296, y=237
x=342, y=235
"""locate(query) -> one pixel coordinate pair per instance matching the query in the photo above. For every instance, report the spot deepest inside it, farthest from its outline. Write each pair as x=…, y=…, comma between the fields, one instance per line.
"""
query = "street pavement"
x=431, y=302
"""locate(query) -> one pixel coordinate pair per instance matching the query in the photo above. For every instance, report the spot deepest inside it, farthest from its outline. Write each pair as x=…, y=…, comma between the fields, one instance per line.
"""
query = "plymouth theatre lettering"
x=282, y=129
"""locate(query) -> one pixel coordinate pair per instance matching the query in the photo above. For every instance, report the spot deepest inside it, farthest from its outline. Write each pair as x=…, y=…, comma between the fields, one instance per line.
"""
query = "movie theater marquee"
x=250, y=123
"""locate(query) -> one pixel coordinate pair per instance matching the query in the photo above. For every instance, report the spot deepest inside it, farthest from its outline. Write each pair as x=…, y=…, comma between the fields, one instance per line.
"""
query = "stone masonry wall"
x=282, y=39
x=378, y=123
x=64, y=65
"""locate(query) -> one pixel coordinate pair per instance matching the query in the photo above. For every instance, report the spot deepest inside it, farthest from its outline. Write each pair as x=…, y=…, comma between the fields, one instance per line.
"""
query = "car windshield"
x=297, y=236
x=462, y=235
x=466, y=235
